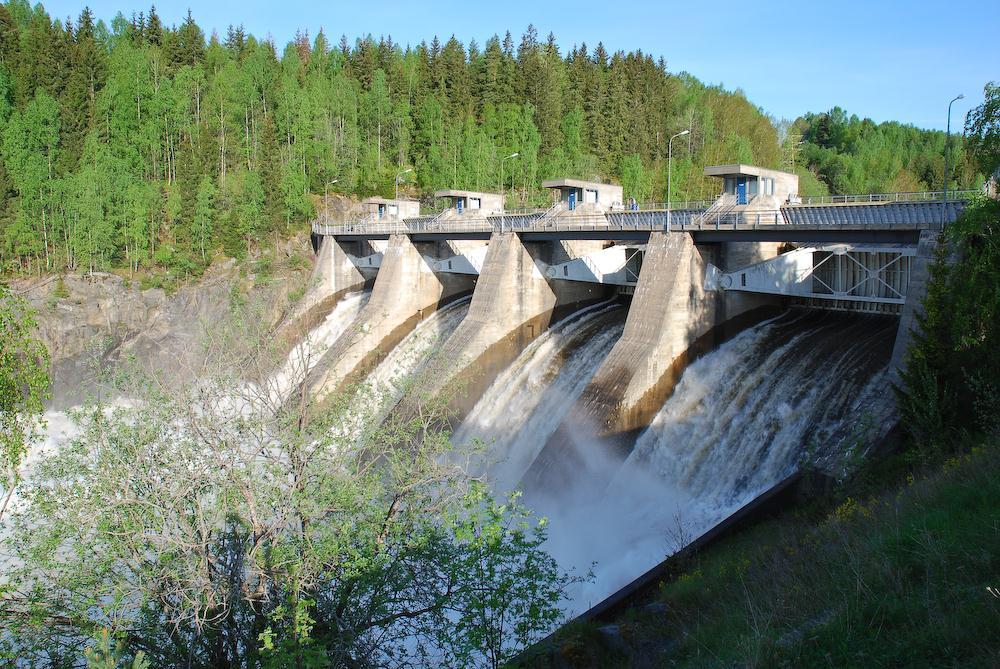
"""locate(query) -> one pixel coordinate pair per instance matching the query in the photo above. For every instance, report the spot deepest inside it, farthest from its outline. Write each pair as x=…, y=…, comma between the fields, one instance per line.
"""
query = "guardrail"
x=717, y=217
x=871, y=198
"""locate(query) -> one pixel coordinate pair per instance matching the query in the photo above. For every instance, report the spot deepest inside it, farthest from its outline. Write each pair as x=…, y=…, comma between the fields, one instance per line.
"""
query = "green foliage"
x=114, y=140
x=902, y=578
x=852, y=155
x=982, y=128
x=24, y=386
x=951, y=380
x=104, y=655
x=218, y=524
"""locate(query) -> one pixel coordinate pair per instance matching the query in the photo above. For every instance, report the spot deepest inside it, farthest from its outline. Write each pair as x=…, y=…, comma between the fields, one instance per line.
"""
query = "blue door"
x=572, y=200
x=741, y=190
x=459, y=202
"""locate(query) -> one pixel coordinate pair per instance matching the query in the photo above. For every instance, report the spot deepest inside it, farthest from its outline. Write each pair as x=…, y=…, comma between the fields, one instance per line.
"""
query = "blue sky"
x=887, y=60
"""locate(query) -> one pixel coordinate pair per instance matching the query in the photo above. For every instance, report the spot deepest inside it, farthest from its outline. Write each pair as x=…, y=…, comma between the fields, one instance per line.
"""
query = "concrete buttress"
x=512, y=305
x=670, y=312
x=406, y=291
x=334, y=275
x=916, y=291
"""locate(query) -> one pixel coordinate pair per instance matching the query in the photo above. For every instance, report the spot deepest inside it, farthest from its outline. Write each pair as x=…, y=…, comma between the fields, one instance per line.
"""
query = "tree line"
x=142, y=145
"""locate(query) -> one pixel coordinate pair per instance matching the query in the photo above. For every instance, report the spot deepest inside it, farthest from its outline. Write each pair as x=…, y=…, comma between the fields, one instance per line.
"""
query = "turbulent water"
x=740, y=419
x=526, y=403
x=388, y=380
x=306, y=353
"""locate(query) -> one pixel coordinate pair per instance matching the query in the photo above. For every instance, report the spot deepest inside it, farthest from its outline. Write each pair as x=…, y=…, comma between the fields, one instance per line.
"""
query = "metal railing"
x=872, y=198
x=721, y=214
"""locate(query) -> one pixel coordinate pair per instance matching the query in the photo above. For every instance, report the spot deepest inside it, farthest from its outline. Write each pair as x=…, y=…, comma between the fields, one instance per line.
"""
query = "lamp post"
x=947, y=156
x=326, y=195
x=503, y=189
x=670, y=158
x=399, y=174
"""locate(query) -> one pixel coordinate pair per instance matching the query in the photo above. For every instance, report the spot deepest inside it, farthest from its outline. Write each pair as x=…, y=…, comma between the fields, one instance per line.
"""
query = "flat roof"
x=740, y=169
x=574, y=183
x=463, y=193
x=382, y=200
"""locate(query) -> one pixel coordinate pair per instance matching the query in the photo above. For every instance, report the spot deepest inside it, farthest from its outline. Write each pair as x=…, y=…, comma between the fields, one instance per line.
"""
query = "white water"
x=61, y=428
x=306, y=353
x=525, y=404
x=740, y=419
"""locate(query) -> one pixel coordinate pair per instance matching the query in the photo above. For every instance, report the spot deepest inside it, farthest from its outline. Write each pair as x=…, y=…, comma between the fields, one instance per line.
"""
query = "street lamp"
x=326, y=193
x=503, y=189
x=670, y=158
x=397, y=180
x=947, y=156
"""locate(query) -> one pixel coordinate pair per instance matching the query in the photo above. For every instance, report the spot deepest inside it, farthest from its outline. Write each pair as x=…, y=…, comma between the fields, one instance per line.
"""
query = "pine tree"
x=153, y=30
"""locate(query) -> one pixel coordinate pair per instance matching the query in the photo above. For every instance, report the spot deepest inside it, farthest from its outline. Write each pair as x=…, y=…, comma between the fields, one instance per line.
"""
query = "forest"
x=150, y=148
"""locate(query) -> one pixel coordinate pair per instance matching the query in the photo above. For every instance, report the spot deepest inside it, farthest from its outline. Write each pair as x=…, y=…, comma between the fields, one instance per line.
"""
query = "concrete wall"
x=736, y=256
x=512, y=305
x=406, y=291
x=915, y=293
x=334, y=275
x=670, y=311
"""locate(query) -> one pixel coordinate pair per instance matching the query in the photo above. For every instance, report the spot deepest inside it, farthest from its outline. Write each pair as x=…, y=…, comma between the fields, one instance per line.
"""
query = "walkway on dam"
x=875, y=221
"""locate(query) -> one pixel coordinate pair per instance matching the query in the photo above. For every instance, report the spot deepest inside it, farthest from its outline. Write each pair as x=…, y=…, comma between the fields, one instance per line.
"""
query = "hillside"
x=142, y=146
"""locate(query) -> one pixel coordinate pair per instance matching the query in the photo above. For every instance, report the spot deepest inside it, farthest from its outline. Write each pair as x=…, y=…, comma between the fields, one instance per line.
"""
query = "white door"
x=590, y=196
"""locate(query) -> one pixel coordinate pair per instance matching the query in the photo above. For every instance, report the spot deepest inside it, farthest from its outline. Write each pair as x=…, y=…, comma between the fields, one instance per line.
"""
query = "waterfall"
x=387, y=381
x=525, y=404
x=740, y=419
x=307, y=352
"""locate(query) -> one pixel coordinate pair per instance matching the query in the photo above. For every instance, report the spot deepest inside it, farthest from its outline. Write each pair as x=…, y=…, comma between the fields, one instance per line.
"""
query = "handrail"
x=916, y=196
x=722, y=215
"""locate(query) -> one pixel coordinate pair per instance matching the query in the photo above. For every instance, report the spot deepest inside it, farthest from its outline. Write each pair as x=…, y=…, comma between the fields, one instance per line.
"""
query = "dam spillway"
x=741, y=418
x=617, y=374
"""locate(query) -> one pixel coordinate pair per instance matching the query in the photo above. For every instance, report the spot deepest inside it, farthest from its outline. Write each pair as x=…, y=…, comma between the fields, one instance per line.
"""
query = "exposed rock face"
x=103, y=318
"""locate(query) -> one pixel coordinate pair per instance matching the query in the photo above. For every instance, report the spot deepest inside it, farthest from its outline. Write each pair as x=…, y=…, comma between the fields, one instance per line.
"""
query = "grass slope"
x=909, y=577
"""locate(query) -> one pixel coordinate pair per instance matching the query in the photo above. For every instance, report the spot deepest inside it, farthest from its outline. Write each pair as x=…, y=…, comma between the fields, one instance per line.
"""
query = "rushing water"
x=387, y=382
x=740, y=419
x=307, y=352
x=525, y=404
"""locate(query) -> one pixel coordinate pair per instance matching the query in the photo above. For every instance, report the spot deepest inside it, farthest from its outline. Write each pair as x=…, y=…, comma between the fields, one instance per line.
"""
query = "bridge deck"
x=868, y=222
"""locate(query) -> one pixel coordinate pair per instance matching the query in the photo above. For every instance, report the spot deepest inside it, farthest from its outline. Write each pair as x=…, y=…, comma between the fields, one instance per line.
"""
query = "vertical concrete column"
x=333, y=276
x=512, y=305
x=916, y=291
x=406, y=291
x=670, y=311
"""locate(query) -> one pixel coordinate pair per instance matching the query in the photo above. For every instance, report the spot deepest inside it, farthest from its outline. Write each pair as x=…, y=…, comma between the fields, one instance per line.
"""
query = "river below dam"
x=741, y=418
x=795, y=388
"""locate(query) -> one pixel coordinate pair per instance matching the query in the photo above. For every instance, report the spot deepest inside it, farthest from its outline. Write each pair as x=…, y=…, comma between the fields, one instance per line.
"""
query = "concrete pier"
x=334, y=275
x=920, y=267
x=512, y=305
x=670, y=311
x=406, y=291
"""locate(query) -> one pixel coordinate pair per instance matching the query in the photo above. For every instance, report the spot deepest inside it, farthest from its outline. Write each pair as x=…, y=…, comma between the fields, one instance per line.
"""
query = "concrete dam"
x=638, y=374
